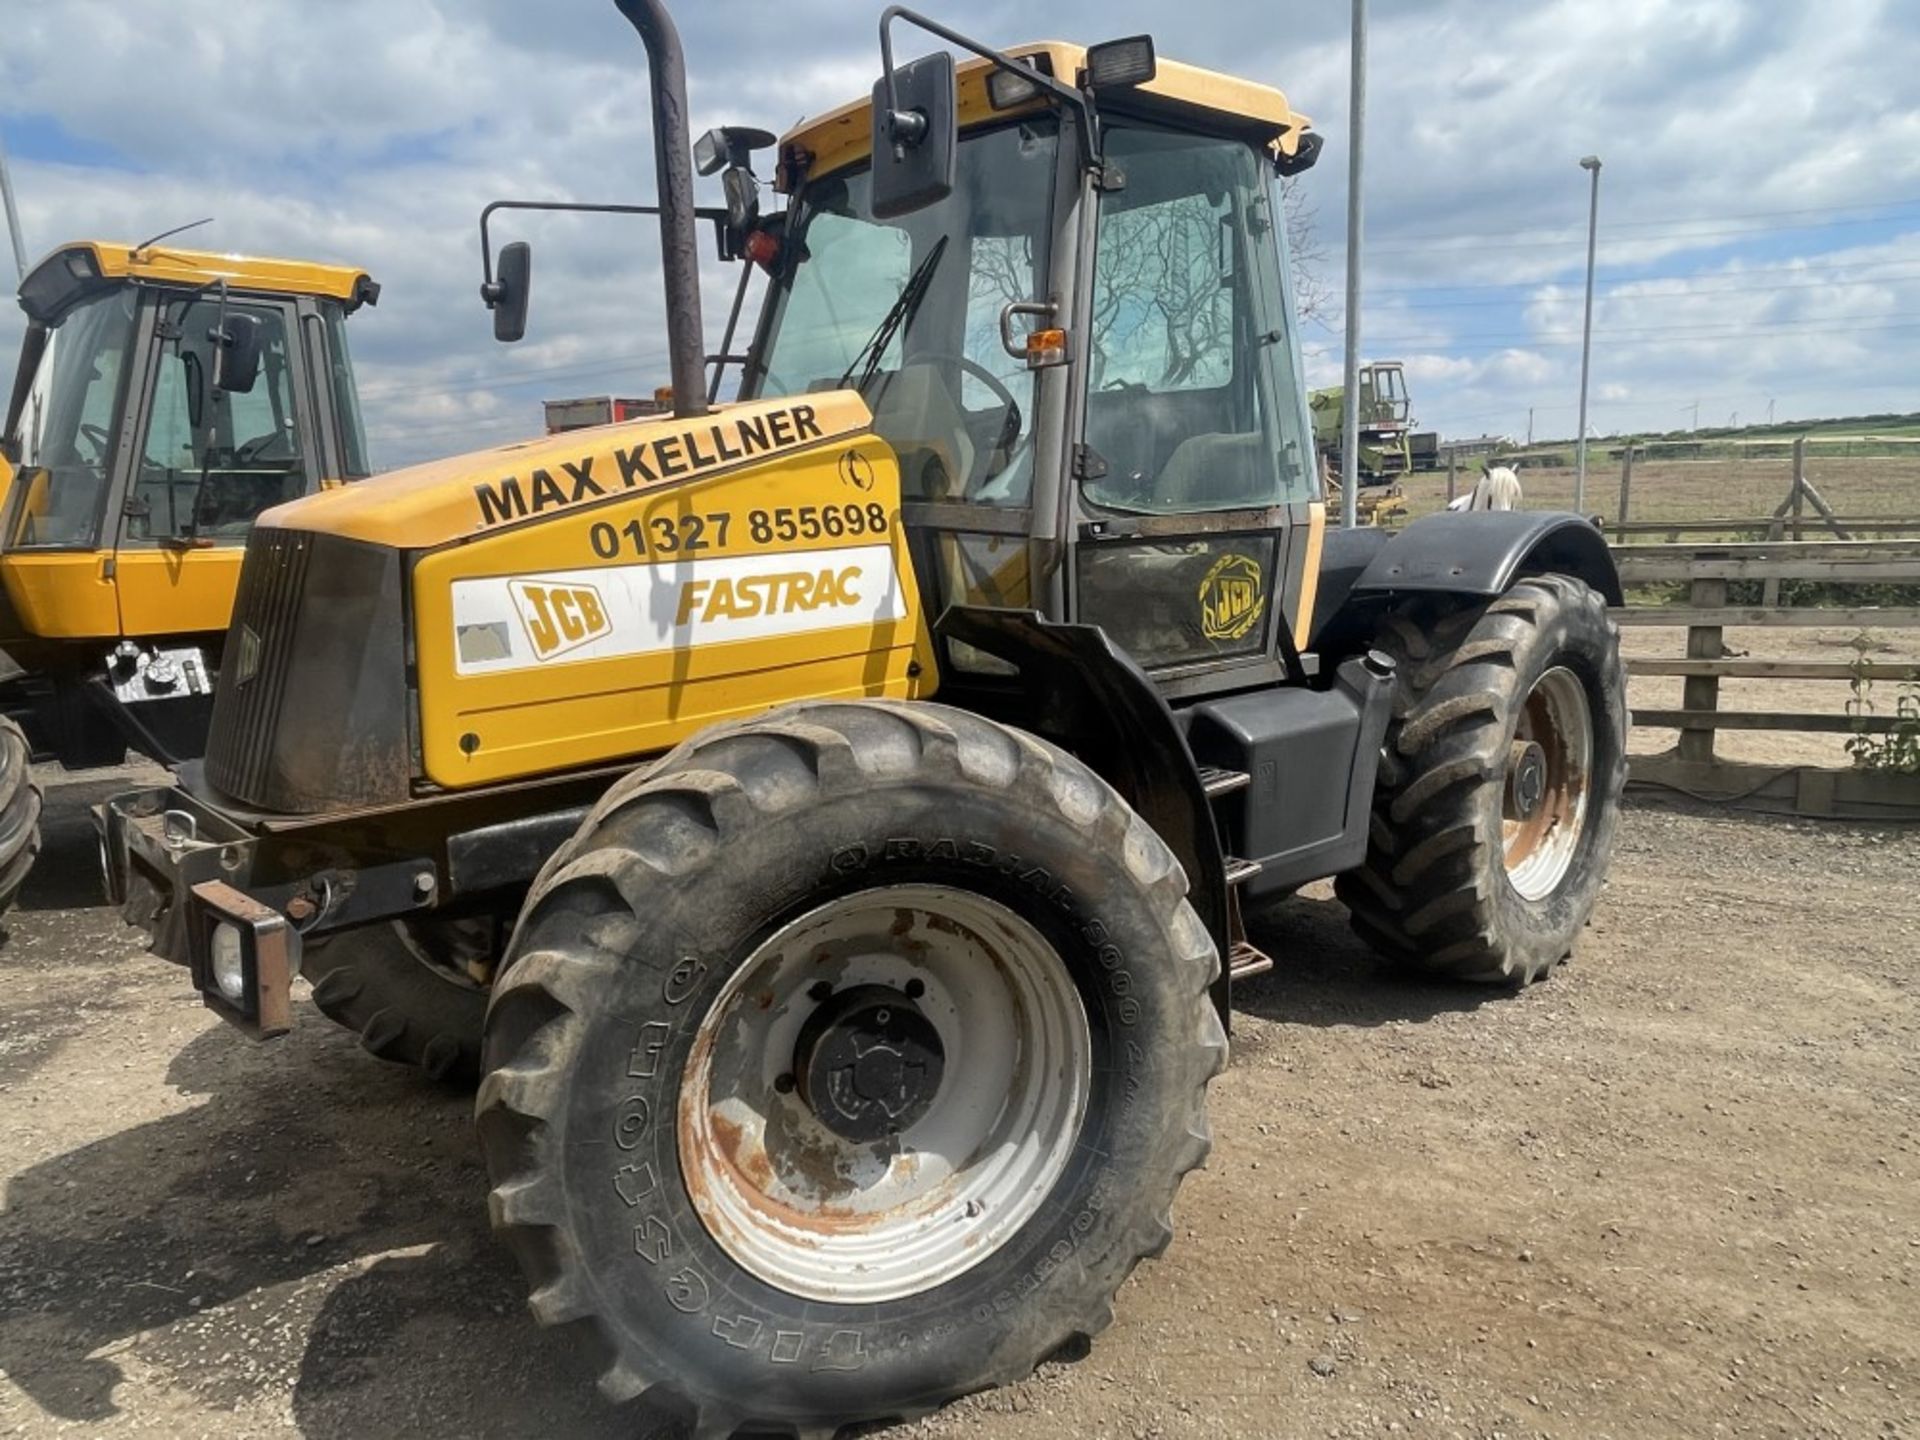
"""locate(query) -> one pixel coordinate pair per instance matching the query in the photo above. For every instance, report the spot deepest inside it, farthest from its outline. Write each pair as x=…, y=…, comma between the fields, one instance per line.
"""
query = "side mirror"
x=743, y=202
x=506, y=294
x=727, y=151
x=915, y=133
x=237, y=354
x=1305, y=152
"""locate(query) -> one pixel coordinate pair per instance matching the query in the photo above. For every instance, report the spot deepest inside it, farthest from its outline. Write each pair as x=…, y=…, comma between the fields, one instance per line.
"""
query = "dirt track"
x=1673, y=1191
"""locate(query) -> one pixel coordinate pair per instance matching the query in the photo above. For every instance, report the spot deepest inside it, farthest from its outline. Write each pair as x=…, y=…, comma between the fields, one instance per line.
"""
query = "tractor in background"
x=163, y=399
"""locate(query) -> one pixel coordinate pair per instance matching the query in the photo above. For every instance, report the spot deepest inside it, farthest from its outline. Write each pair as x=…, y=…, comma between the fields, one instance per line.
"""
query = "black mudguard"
x=1473, y=554
x=1080, y=692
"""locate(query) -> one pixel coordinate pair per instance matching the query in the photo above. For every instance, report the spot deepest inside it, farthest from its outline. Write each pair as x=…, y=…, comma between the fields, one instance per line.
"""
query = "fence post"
x=1702, y=692
x=1776, y=528
x=1799, y=493
x=1626, y=487
x=1453, y=470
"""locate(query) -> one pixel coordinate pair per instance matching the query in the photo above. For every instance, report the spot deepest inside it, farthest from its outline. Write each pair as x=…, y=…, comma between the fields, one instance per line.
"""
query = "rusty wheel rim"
x=1544, y=798
x=884, y=1094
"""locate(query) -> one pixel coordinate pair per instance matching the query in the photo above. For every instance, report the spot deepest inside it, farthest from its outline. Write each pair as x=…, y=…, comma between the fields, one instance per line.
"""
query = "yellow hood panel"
x=464, y=496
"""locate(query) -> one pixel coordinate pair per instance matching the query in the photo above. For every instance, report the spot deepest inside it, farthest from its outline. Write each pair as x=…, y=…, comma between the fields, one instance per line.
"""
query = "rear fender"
x=1475, y=555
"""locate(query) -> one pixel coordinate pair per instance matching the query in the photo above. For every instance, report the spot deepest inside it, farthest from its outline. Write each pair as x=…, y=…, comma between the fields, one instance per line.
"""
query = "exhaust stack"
x=679, y=234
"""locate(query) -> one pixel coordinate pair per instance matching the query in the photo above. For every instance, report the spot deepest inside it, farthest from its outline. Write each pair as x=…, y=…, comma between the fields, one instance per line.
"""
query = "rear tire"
x=20, y=801
x=709, y=1219
x=1522, y=700
x=397, y=987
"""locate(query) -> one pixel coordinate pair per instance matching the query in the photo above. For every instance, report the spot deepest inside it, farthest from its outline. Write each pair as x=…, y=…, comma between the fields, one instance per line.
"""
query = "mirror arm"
x=726, y=340
x=218, y=335
x=713, y=214
x=915, y=124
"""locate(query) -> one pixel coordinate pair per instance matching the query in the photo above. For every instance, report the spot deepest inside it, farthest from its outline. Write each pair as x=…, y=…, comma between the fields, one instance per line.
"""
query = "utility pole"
x=13, y=214
x=1350, y=400
x=1590, y=164
x=1529, y=425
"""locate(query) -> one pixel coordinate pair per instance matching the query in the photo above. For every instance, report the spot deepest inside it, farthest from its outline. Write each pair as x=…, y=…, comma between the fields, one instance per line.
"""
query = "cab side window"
x=1191, y=401
x=213, y=459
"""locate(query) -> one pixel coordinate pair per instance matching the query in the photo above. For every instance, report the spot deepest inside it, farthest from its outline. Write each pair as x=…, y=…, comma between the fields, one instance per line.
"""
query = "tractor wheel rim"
x=1544, y=801
x=986, y=1085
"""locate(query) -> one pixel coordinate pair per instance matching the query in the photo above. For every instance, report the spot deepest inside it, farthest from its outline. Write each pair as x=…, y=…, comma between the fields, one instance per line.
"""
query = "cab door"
x=1198, y=514
x=208, y=463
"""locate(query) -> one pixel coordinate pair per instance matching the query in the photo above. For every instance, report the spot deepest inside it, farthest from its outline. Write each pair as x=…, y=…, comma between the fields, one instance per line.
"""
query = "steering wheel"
x=253, y=449
x=1010, y=427
x=99, y=436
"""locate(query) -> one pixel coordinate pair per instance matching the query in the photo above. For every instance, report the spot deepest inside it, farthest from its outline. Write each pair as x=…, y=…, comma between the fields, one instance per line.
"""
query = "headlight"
x=229, y=965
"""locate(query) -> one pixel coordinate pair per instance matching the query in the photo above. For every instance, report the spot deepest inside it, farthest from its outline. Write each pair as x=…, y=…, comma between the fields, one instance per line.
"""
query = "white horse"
x=1498, y=488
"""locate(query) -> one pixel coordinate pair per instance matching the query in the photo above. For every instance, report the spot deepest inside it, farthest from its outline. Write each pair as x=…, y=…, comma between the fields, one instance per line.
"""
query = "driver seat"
x=918, y=414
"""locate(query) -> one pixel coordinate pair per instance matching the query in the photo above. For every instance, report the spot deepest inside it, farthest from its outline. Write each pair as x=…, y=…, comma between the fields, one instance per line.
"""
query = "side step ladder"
x=1244, y=959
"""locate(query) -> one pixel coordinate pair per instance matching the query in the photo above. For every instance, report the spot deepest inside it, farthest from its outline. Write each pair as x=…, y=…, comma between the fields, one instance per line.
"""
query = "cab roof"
x=81, y=267
x=842, y=137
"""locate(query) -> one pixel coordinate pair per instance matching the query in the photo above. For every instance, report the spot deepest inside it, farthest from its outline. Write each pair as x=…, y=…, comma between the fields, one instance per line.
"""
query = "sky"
x=1759, y=240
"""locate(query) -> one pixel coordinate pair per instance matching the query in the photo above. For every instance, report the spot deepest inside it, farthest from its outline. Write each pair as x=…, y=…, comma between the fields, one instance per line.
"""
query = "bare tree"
x=1311, y=296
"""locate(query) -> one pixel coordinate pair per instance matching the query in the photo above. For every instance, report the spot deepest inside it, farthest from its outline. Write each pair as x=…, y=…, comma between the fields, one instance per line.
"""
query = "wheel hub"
x=869, y=1063
x=1526, y=779
x=1544, y=802
x=824, y=1143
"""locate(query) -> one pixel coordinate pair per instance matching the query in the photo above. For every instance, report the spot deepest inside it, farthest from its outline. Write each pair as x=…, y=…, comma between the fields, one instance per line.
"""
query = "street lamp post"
x=1591, y=164
x=13, y=215
x=1350, y=397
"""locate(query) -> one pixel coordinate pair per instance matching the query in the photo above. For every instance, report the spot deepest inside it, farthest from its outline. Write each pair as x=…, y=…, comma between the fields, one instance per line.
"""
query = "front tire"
x=20, y=801
x=846, y=1062
x=1500, y=782
x=406, y=990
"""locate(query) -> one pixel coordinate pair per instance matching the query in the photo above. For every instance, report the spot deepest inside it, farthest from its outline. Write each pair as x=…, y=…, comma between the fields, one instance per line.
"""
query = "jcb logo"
x=1232, y=598
x=559, y=618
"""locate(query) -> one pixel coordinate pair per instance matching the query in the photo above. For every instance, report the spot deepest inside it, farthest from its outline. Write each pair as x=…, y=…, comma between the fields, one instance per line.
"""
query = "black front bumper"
x=170, y=863
x=180, y=865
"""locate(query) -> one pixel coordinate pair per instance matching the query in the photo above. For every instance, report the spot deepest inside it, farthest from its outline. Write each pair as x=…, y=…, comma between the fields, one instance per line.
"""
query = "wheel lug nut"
x=820, y=991
x=881, y=1017
x=784, y=1084
x=915, y=989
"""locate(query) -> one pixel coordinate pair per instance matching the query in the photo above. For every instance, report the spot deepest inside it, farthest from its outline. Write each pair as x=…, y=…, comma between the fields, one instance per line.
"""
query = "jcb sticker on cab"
x=524, y=621
x=1232, y=598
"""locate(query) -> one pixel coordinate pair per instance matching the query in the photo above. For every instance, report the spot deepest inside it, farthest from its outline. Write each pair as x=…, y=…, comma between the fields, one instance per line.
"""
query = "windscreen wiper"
x=867, y=361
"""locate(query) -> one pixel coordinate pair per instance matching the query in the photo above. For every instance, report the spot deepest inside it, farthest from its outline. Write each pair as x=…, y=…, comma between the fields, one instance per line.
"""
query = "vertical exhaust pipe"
x=679, y=226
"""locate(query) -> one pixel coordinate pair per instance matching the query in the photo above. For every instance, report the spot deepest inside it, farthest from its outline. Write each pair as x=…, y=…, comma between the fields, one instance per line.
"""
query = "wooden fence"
x=1708, y=570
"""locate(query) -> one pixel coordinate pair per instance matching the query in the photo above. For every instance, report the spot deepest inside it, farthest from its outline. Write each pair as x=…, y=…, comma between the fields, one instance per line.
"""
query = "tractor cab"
x=164, y=398
x=1085, y=360
x=1383, y=396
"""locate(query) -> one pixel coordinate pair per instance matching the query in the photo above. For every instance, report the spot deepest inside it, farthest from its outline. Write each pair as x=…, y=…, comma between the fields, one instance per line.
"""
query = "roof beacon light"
x=1121, y=62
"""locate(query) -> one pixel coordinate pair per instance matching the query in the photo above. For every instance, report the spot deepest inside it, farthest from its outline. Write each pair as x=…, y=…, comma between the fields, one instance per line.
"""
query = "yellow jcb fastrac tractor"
x=164, y=398
x=822, y=821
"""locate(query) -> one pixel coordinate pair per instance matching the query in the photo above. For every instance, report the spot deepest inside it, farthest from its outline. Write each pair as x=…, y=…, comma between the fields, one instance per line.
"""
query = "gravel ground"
x=1672, y=1191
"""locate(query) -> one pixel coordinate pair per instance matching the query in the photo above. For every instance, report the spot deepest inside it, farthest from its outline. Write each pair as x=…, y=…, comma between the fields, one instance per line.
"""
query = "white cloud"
x=372, y=131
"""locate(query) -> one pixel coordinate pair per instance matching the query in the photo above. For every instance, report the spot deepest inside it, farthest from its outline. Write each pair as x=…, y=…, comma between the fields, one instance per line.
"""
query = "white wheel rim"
x=818, y=1215
x=1541, y=832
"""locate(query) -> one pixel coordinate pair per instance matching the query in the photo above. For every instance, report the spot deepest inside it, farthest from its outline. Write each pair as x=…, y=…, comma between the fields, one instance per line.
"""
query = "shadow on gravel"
x=1323, y=974
x=67, y=874
x=244, y=1248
